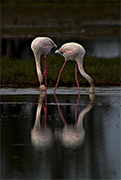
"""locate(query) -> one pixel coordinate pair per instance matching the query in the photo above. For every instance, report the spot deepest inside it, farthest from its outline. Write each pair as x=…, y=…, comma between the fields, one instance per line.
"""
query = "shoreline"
x=101, y=91
x=29, y=86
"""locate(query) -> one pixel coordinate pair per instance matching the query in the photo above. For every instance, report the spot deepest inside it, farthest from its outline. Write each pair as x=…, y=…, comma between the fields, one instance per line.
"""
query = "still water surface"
x=62, y=136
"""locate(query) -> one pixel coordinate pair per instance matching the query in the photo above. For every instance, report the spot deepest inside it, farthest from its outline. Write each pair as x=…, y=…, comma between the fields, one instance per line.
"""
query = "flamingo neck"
x=52, y=43
x=85, y=110
x=38, y=67
x=85, y=75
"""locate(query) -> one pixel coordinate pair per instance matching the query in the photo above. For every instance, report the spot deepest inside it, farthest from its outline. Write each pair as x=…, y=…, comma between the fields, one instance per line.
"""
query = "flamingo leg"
x=76, y=76
x=45, y=107
x=45, y=110
x=59, y=109
x=45, y=114
x=45, y=71
x=59, y=76
x=76, y=108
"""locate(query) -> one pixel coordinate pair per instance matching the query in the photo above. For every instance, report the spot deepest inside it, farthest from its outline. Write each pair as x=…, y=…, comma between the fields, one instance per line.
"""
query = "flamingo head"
x=62, y=54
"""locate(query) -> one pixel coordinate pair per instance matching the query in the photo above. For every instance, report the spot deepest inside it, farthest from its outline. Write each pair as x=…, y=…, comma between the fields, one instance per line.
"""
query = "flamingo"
x=41, y=46
x=74, y=52
x=41, y=134
x=72, y=135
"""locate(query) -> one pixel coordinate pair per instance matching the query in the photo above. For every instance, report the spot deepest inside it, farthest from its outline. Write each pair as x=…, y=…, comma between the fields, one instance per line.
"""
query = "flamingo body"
x=71, y=51
x=75, y=52
x=42, y=45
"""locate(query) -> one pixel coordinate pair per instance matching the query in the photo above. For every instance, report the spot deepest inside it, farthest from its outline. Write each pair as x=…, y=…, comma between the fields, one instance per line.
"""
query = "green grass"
x=105, y=72
x=17, y=72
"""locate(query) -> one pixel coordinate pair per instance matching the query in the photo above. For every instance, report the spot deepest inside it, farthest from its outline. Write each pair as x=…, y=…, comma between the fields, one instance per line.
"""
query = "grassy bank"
x=105, y=72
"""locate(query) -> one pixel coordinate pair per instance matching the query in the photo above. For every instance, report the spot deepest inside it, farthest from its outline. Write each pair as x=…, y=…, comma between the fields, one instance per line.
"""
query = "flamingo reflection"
x=41, y=134
x=73, y=135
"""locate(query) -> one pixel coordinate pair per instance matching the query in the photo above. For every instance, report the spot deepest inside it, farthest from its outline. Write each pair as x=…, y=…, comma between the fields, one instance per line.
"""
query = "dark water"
x=21, y=47
x=66, y=136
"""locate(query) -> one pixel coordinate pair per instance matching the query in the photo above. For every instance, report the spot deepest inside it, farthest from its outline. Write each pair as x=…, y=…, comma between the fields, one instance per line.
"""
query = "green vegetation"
x=105, y=72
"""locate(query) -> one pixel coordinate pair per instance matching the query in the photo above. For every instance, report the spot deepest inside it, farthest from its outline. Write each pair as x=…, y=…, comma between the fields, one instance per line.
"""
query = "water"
x=106, y=48
x=20, y=47
x=62, y=136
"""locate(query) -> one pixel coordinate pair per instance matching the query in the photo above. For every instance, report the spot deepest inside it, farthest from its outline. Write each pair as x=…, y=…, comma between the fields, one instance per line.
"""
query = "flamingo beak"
x=56, y=51
x=55, y=46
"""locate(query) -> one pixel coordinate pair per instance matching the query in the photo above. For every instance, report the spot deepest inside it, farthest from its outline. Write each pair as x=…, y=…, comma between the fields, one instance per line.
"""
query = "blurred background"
x=93, y=24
